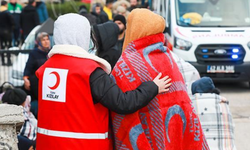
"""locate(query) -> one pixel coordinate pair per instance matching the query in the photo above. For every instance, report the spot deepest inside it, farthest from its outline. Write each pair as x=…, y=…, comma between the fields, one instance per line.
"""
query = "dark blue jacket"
x=29, y=19
x=6, y=21
x=36, y=59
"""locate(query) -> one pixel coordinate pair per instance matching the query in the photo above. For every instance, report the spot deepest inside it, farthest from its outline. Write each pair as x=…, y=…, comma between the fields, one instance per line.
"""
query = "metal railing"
x=12, y=64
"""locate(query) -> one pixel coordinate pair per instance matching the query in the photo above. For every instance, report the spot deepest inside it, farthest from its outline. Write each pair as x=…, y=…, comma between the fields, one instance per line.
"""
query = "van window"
x=209, y=13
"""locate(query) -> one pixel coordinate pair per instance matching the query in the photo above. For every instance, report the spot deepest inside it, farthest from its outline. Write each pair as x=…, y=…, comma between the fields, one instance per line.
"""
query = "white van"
x=213, y=35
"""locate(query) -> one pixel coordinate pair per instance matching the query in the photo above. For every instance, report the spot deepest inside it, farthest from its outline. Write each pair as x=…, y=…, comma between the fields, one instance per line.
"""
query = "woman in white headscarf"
x=76, y=92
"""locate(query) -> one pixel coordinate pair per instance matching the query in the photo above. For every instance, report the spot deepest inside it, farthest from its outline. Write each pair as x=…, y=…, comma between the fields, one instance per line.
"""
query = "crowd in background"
x=17, y=21
x=108, y=10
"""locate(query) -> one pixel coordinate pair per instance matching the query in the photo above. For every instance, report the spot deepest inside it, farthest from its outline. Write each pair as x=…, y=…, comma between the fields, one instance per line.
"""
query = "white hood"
x=72, y=38
x=72, y=29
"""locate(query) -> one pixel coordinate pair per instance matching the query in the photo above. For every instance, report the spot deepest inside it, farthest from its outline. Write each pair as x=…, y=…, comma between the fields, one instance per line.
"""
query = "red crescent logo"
x=57, y=80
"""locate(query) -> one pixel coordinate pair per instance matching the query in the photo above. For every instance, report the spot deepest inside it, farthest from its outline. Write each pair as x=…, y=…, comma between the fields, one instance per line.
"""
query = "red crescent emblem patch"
x=57, y=80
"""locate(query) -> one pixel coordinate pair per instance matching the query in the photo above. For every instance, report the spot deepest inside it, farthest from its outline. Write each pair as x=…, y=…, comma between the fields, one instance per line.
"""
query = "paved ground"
x=238, y=95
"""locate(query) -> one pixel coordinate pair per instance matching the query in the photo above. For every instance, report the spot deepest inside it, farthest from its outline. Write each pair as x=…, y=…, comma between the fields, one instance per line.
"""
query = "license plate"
x=220, y=69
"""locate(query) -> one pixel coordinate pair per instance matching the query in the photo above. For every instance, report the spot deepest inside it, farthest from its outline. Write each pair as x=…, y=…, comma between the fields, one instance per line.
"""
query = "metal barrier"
x=12, y=64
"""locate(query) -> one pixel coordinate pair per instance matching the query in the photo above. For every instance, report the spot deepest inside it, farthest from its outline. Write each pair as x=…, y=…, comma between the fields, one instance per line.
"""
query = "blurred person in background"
x=120, y=10
x=42, y=11
x=29, y=18
x=145, y=5
x=97, y=11
x=27, y=134
x=120, y=20
x=133, y=5
x=124, y=3
x=37, y=58
x=84, y=12
x=101, y=2
x=15, y=9
x=6, y=29
x=106, y=35
x=108, y=9
x=4, y=87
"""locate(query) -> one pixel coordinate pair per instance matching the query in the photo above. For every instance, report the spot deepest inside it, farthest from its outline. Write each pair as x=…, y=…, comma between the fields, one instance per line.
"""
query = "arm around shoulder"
x=106, y=92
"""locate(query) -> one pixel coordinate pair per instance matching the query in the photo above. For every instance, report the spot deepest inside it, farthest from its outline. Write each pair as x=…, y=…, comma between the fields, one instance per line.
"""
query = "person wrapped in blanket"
x=214, y=113
x=27, y=134
x=169, y=121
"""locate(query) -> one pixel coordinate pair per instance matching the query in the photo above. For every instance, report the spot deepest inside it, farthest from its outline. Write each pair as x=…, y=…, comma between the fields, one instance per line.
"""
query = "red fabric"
x=169, y=45
x=78, y=114
x=170, y=114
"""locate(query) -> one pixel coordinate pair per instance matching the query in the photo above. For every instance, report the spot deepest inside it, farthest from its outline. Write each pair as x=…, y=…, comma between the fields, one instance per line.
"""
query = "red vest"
x=169, y=121
x=68, y=118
